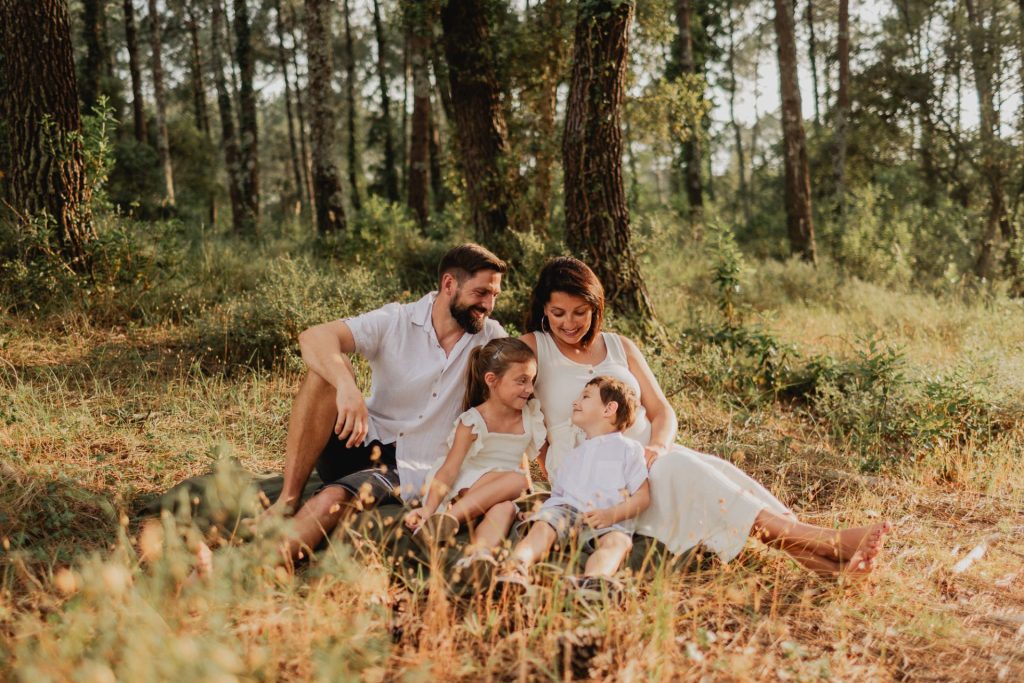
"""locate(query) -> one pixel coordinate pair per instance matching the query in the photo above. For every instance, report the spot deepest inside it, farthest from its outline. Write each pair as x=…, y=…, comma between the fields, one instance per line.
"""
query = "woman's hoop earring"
x=544, y=326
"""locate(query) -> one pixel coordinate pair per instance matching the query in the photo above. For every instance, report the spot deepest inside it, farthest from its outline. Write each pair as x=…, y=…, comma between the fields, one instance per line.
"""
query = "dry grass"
x=93, y=420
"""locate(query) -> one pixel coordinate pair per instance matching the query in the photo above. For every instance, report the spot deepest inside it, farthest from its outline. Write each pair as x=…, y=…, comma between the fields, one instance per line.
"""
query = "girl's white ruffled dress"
x=494, y=451
x=695, y=498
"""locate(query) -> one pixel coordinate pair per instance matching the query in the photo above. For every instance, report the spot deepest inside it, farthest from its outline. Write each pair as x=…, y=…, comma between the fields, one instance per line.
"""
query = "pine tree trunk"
x=300, y=110
x=131, y=41
x=39, y=106
x=95, y=66
x=741, y=163
x=596, y=214
x=351, y=113
x=229, y=141
x=799, y=221
x=812, y=54
x=247, y=124
x=390, y=176
x=481, y=133
x=419, y=23
x=692, y=152
x=282, y=59
x=437, y=187
x=162, y=142
x=549, y=21
x=842, y=112
x=196, y=68
x=330, y=208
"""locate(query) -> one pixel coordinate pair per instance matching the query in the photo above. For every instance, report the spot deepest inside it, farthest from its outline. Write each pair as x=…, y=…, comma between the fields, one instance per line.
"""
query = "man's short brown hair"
x=612, y=389
x=465, y=260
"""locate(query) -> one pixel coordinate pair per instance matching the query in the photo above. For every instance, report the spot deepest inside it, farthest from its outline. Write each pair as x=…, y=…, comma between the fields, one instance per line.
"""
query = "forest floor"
x=94, y=419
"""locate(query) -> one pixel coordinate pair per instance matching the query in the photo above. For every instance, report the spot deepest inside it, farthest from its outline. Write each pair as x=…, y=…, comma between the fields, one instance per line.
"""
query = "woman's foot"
x=866, y=541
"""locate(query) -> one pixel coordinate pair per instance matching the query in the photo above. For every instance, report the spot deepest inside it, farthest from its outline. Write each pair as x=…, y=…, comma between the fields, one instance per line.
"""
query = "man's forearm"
x=322, y=355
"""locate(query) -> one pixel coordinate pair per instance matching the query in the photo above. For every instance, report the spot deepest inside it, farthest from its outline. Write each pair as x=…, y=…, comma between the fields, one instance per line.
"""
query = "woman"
x=696, y=498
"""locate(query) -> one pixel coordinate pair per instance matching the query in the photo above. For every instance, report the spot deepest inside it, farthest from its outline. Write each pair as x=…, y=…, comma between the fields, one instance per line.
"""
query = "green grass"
x=95, y=416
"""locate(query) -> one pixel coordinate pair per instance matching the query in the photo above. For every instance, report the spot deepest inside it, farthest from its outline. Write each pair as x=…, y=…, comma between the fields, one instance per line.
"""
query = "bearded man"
x=379, y=450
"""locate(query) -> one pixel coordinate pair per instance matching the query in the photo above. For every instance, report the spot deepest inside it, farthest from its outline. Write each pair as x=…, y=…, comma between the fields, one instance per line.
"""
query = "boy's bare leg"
x=833, y=544
x=490, y=489
x=309, y=427
x=493, y=528
x=611, y=550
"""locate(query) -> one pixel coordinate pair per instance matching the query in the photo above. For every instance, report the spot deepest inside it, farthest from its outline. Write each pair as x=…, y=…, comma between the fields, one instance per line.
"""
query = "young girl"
x=486, y=467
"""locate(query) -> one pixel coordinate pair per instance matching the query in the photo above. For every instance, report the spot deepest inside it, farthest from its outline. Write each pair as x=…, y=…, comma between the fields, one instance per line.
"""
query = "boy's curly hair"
x=612, y=389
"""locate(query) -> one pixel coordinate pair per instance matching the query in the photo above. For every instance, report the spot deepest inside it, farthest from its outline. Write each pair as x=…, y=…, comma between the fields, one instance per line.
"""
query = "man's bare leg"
x=315, y=520
x=607, y=558
x=309, y=427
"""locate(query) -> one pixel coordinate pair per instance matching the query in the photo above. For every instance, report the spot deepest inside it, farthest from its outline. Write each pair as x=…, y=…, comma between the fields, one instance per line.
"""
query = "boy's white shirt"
x=599, y=473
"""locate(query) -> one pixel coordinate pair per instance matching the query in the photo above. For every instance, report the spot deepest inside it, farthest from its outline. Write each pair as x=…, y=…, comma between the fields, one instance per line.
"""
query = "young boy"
x=599, y=489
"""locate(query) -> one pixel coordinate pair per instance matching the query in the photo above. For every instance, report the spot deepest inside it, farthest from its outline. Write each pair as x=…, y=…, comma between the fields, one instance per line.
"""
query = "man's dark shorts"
x=368, y=471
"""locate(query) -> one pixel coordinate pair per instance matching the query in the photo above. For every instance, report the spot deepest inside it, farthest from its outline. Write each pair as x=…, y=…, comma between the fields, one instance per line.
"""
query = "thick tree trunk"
x=96, y=66
x=549, y=21
x=247, y=125
x=481, y=132
x=39, y=106
x=596, y=214
x=418, y=21
x=812, y=54
x=741, y=163
x=692, y=148
x=163, y=144
x=229, y=142
x=352, y=147
x=842, y=112
x=293, y=148
x=330, y=208
x=131, y=41
x=799, y=220
x=390, y=175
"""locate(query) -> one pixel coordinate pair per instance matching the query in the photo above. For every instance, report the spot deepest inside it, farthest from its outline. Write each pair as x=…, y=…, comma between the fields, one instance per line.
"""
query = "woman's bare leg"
x=823, y=566
x=607, y=558
x=488, y=491
x=840, y=545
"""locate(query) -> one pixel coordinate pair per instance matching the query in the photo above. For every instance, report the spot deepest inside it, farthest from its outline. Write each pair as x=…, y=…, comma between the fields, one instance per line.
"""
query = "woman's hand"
x=415, y=519
x=652, y=452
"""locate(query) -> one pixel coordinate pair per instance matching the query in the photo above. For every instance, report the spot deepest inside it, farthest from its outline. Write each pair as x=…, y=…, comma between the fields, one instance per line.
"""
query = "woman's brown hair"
x=495, y=356
x=570, y=276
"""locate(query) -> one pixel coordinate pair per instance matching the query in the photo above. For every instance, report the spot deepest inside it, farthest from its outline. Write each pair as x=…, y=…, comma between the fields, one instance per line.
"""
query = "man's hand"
x=415, y=519
x=353, y=417
x=652, y=452
x=599, y=519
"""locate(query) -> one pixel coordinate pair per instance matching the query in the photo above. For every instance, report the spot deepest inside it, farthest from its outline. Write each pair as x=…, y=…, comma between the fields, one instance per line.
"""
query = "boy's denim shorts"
x=568, y=522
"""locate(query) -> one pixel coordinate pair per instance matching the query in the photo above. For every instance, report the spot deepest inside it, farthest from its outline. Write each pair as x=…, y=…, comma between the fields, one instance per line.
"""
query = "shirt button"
x=591, y=371
x=401, y=433
x=420, y=417
x=434, y=395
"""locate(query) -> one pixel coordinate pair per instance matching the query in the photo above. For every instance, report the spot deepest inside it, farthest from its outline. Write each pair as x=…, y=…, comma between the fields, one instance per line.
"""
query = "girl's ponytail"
x=476, y=388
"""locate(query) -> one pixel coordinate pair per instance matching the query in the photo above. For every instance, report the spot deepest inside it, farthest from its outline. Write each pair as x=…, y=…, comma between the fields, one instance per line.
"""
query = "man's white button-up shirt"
x=416, y=390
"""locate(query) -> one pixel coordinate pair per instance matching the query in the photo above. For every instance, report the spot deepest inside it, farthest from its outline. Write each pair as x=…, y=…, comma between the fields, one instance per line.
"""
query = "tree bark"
x=741, y=164
x=799, y=220
x=46, y=171
x=196, y=67
x=350, y=112
x=842, y=112
x=247, y=124
x=436, y=164
x=418, y=21
x=307, y=162
x=390, y=175
x=96, y=65
x=330, y=208
x=549, y=20
x=481, y=132
x=229, y=141
x=596, y=214
x=692, y=152
x=131, y=41
x=282, y=60
x=812, y=54
x=156, y=64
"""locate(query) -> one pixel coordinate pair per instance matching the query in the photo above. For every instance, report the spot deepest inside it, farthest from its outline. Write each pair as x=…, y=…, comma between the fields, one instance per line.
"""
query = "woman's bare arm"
x=659, y=410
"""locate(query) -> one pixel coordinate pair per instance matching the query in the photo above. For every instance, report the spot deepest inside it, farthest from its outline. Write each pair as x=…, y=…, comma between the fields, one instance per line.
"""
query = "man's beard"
x=464, y=316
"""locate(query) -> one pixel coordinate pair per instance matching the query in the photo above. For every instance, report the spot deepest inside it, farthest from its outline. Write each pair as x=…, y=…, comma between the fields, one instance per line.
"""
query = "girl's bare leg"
x=840, y=545
x=489, y=490
x=611, y=550
x=493, y=528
